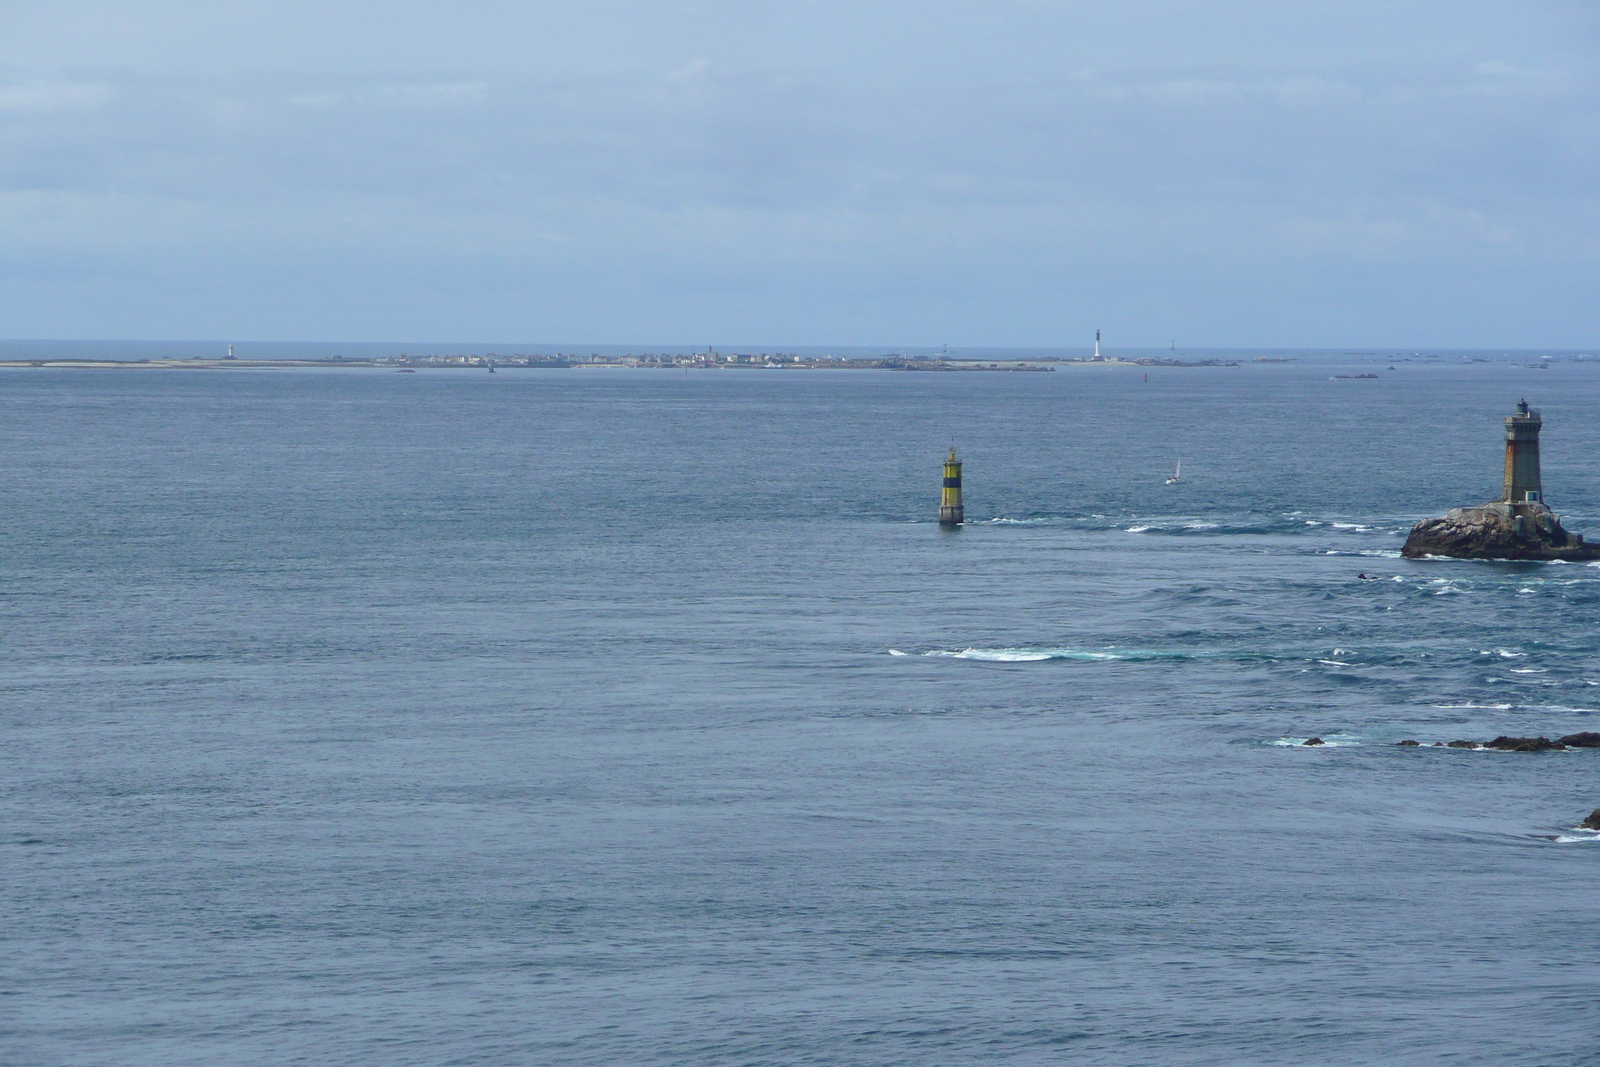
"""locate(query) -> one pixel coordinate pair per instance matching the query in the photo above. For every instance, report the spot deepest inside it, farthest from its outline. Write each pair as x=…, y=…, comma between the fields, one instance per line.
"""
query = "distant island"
x=709, y=360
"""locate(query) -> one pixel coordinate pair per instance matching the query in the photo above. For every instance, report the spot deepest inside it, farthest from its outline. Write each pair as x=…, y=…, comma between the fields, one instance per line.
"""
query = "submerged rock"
x=1313, y=741
x=1585, y=739
x=1593, y=821
x=1498, y=531
x=1507, y=743
x=1523, y=744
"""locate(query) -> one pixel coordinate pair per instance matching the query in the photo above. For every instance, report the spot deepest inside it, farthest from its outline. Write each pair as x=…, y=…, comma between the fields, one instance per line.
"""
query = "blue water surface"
x=647, y=717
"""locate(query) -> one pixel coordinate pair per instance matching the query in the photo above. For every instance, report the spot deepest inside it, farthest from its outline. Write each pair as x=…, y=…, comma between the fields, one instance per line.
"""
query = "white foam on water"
x=1350, y=526
x=1503, y=653
x=1578, y=835
x=1138, y=529
x=1474, y=707
x=1023, y=655
x=1328, y=741
x=897, y=652
x=1335, y=663
x=1529, y=670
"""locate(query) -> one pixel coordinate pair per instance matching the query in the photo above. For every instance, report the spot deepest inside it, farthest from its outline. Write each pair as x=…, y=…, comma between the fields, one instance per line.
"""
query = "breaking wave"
x=1333, y=740
x=1028, y=654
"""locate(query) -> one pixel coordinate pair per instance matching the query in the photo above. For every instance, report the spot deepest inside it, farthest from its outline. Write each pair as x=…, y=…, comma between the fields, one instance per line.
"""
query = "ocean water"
x=635, y=717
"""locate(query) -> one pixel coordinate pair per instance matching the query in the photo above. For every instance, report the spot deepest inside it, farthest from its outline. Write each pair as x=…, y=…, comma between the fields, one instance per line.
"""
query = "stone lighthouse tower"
x=1522, y=457
x=1520, y=525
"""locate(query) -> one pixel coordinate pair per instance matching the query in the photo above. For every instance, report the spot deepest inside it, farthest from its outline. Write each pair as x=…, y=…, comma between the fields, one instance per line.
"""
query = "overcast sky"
x=1005, y=172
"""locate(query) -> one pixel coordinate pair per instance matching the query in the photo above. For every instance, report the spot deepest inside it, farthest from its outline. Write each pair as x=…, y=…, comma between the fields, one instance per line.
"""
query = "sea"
x=647, y=717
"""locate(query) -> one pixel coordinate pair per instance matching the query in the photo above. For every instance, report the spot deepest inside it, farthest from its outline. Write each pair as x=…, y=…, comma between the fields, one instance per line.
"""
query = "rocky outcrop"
x=1506, y=743
x=1585, y=739
x=1498, y=531
x=1593, y=821
x=1313, y=741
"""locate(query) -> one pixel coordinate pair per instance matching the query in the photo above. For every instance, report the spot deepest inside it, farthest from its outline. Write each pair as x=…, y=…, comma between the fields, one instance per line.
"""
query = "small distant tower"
x=1097, y=346
x=1522, y=457
x=230, y=351
x=951, y=513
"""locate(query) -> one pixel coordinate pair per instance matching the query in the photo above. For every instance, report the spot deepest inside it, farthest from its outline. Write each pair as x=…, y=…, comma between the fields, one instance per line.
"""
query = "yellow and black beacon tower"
x=951, y=513
x=1522, y=457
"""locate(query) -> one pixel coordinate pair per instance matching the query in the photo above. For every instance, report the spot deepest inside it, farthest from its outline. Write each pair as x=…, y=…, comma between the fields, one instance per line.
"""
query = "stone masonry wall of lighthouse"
x=1522, y=457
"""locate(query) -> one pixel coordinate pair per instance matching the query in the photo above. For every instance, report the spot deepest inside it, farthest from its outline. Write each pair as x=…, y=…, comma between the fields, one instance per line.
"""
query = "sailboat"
x=1177, y=475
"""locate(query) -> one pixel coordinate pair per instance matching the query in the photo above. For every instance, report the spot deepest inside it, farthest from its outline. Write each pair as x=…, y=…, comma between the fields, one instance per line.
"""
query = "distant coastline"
x=19, y=354
x=706, y=361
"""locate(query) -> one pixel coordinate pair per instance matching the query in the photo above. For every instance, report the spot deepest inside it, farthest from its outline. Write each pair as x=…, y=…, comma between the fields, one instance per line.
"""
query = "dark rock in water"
x=1463, y=744
x=1593, y=821
x=1498, y=531
x=1586, y=739
x=1408, y=743
x=1314, y=741
x=1438, y=744
x=1523, y=744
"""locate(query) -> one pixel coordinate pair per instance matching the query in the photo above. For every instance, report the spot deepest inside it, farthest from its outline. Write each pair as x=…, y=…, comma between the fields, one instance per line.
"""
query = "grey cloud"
x=1009, y=173
x=49, y=96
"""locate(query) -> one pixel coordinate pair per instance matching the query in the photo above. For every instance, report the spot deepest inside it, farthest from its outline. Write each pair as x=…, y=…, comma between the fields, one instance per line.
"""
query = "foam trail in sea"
x=1333, y=740
x=1038, y=654
x=1021, y=655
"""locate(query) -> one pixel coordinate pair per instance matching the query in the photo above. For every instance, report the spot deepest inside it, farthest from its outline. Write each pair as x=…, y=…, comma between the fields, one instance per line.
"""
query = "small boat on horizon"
x=1177, y=474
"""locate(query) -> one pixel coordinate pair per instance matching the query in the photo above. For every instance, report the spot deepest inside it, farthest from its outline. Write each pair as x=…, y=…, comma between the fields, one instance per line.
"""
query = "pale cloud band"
x=819, y=173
